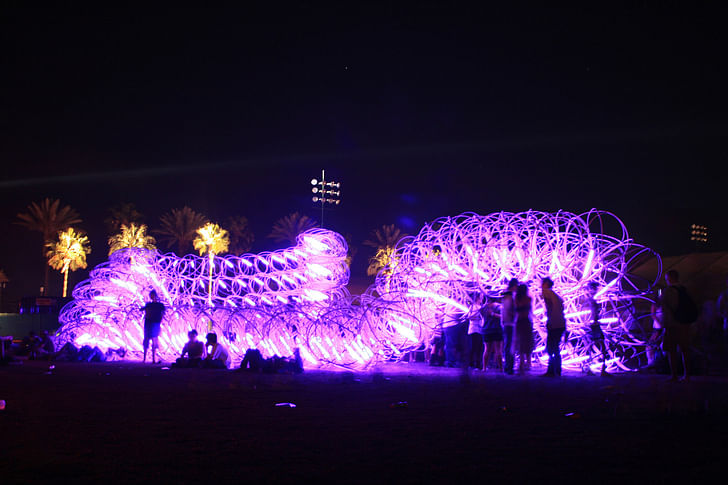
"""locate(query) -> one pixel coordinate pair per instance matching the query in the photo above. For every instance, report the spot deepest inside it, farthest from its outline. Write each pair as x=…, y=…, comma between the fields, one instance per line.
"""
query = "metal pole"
x=323, y=188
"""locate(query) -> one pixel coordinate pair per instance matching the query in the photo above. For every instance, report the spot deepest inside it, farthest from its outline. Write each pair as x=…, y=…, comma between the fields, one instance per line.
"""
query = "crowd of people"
x=499, y=330
x=493, y=332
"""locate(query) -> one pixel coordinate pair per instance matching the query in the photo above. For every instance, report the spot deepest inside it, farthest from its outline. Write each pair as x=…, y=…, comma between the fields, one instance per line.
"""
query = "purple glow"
x=296, y=297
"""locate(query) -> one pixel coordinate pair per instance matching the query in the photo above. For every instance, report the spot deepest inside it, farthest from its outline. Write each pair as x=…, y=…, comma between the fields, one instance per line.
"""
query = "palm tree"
x=352, y=250
x=68, y=253
x=211, y=239
x=241, y=237
x=287, y=228
x=385, y=237
x=48, y=218
x=179, y=227
x=131, y=236
x=122, y=214
x=383, y=259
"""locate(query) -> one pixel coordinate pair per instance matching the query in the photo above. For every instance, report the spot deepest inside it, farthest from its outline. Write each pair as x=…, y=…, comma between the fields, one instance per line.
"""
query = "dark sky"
x=420, y=111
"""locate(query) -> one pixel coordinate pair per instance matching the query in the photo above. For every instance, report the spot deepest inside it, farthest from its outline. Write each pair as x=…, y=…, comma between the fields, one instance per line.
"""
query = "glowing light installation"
x=296, y=297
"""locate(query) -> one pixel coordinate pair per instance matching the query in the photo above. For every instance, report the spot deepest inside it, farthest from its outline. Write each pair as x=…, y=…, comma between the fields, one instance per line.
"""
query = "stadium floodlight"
x=327, y=192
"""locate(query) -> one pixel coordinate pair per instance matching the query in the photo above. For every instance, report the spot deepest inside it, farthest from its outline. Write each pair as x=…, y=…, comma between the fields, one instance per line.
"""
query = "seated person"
x=45, y=349
x=6, y=350
x=29, y=345
x=192, y=353
x=217, y=354
x=253, y=361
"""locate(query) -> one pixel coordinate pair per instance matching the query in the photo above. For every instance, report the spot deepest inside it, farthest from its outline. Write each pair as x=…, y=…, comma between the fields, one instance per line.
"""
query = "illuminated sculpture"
x=296, y=297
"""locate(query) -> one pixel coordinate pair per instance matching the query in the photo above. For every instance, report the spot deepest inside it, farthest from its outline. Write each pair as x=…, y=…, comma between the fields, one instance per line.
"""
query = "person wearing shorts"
x=153, y=314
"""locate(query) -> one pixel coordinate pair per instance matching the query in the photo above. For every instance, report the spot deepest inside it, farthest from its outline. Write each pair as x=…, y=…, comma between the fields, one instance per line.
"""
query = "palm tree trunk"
x=209, y=286
x=46, y=275
x=65, y=281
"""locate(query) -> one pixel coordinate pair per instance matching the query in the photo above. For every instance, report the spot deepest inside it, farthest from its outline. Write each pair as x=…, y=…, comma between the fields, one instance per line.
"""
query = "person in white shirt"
x=217, y=354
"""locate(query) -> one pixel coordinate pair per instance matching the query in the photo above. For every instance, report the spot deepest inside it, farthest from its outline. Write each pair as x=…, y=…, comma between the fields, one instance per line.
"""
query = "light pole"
x=327, y=192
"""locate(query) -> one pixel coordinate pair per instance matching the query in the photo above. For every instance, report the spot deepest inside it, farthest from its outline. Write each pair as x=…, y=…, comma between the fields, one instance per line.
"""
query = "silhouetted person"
x=455, y=326
x=493, y=336
x=475, y=333
x=252, y=361
x=523, y=335
x=508, y=320
x=45, y=348
x=677, y=335
x=723, y=311
x=595, y=330
x=555, y=326
x=435, y=353
x=192, y=353
x=153, y=314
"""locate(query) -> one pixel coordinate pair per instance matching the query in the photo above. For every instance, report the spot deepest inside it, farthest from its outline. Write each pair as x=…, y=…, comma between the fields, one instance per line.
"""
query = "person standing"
x=595, y=330
x=493, y=336
x=508, y=319
x=475, y=333
x=523, y=338
x=455, y=326
x=153, y=314
x=555, y=326
x=723, y=311
x=677, y=333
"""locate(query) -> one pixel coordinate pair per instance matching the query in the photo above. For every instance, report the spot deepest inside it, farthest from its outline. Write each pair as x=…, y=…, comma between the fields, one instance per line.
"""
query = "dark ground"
x=122, y=422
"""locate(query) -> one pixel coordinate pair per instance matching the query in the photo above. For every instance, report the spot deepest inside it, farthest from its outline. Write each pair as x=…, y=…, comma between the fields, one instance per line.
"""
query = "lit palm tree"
x=179, y=227
x=131, y=236
x=241, y=237
x=122, y=214
x=287, y=228
x=48, y=218
x=211, y=239
x=68, y=253
x=383, y=259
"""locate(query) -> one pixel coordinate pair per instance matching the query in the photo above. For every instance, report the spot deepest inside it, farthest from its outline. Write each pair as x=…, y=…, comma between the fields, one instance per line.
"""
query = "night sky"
x=420, y=111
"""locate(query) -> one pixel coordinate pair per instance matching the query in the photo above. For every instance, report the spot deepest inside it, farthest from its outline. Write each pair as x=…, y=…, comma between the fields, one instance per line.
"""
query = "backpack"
x=686, y=311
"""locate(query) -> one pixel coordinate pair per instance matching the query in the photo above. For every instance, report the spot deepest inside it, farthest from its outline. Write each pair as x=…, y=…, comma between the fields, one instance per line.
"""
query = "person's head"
x=192, y=335
x=513, y=284
x=522, y=290
x=211, y=338
x=672, y=277
x=547, y=283
x=153, y=295
x=592, y=288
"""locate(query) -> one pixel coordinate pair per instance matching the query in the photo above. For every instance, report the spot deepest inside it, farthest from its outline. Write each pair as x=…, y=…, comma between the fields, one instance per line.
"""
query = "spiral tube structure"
x=297, y=298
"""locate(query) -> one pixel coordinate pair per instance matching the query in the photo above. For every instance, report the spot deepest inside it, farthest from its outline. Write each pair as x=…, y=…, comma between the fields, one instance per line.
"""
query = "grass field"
x=124, y=422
